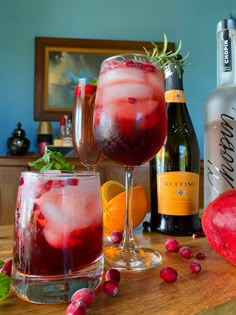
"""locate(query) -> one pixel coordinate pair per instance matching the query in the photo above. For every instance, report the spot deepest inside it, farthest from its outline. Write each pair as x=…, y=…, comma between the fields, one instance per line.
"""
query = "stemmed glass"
x=130, y=124
x=84, y=144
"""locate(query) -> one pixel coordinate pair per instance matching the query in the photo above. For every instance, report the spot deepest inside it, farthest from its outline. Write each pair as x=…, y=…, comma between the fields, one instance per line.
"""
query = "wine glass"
x=130, y=125
x=82, y=123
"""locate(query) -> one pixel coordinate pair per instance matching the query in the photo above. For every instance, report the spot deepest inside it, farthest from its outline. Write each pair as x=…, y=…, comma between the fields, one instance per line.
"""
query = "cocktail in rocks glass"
x=58, y=235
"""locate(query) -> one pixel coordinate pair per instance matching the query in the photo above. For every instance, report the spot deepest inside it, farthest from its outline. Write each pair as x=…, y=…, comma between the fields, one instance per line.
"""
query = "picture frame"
x=59, y=62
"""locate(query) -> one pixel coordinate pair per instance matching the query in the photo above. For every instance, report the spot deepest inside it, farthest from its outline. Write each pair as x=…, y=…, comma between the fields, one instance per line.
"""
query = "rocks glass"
x=58, y=235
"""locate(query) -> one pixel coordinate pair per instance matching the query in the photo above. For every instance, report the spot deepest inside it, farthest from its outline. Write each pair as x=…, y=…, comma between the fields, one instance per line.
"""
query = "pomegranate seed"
x=195, y=266
x=76, y=308
x=128, y=63
x=132, y=100
x=21, y=181
x=169, y=274
x=172, y=245
x=72, y=181
x=85, y=295
x=200, y=256
x=116, y=237
x=146, y=225
x=58, y=183
x=110, y=64
x=6, y=268
x=36, y=207
x=149, y=67
x=48, y=185
x=185, y=252
x=113, y=274
x=110, y=287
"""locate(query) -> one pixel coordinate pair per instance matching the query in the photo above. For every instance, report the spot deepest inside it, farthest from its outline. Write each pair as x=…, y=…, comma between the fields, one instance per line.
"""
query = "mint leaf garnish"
x=5, y=282
x=1, y=263
x=52, y=160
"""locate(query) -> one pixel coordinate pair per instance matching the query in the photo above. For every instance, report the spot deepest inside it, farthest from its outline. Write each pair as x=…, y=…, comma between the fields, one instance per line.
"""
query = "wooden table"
x=212, y=291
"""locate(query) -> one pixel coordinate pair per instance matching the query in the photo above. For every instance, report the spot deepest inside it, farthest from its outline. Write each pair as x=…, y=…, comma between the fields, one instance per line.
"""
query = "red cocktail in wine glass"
x=130, y=125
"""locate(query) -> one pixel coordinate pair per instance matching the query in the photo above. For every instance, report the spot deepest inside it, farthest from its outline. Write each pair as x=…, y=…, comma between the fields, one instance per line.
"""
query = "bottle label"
x=178, y=193
x=174, y=96
x=220, y=155
x=227, y=60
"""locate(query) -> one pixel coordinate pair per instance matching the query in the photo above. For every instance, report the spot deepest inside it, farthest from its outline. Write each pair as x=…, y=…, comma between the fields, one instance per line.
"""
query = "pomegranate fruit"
x=219, y=224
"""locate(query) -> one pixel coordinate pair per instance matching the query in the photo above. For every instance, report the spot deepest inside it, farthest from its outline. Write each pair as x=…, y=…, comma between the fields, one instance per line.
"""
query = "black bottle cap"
x=226, y=24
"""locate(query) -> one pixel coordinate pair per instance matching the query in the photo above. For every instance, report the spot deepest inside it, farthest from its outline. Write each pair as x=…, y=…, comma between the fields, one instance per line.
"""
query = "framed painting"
x=60, y=62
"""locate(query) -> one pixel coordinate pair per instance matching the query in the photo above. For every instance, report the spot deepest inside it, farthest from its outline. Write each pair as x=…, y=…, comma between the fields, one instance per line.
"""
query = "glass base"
x=56, y=289
x=136, y=259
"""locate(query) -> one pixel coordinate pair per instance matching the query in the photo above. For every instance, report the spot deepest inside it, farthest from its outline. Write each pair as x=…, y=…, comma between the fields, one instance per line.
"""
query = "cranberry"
x=6, y=268
x=169, y=274
x=195, y=266
x=172, y=245
x=113, y=274
x=110, y=287
x=200, y=256
x=76, y=308
x=85, y=295
x=116, y=237
x=185, y=252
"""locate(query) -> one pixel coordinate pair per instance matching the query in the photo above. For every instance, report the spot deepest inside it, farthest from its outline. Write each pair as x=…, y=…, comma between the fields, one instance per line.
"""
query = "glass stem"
x=128, y=236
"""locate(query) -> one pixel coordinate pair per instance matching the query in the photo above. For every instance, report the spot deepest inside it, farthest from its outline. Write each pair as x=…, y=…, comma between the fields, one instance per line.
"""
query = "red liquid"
x=128, y=142
x=52, y=234
x=42, y=259
x=130, y=120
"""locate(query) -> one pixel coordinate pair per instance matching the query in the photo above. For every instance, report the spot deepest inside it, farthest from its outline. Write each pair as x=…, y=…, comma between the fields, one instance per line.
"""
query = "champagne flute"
x=130, y=125
x=84, y=143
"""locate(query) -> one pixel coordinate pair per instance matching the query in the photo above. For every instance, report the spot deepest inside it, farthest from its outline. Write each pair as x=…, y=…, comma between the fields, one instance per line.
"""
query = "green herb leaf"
x=52, y=160
x=163, y=58
x=1, y=263
x=5, y=282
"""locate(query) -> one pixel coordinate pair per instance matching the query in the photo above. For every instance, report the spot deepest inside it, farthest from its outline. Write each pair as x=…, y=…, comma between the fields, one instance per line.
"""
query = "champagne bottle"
x=174, y=172
x=220, y=117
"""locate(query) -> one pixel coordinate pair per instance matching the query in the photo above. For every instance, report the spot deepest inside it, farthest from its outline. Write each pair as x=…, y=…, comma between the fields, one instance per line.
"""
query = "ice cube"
x=125, y=91
x=118, y=75
x=69, y=209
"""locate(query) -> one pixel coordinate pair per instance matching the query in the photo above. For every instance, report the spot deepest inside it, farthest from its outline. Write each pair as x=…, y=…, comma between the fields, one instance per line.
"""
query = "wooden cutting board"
x=212, y=291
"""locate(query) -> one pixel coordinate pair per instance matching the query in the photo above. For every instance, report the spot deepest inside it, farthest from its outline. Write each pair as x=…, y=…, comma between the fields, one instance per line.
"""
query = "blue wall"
x=20, y=21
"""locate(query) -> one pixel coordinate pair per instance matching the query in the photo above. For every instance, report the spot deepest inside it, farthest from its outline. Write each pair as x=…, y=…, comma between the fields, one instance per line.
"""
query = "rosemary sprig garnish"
x=163, y=58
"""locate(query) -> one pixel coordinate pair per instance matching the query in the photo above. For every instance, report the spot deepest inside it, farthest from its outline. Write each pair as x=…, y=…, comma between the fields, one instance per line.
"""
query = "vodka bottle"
x=220, y=115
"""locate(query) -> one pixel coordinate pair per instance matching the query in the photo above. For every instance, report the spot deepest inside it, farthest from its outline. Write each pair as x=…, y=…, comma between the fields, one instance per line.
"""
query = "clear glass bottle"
x=220, y=115
x=174, y=172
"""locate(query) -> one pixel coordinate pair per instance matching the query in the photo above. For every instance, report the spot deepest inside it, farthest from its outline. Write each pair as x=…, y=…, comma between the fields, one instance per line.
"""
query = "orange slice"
x=113, y=200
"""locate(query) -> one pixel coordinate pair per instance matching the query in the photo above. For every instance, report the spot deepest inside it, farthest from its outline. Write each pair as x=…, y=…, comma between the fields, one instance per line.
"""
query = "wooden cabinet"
x=11, y=167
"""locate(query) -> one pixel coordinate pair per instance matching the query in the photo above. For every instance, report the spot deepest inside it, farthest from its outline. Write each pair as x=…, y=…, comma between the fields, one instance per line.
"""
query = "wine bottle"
x=220, y=117
x=174, y=172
